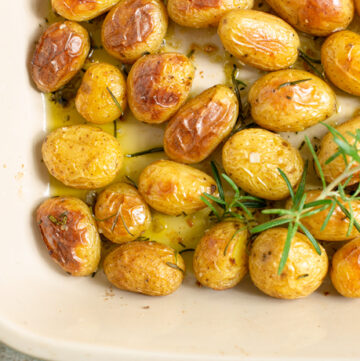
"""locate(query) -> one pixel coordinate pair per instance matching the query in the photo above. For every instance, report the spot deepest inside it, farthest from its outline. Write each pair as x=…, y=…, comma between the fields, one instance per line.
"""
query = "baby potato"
x=290, y=100
x=134, y=27
x=259, y=39
x=69, y=233
x=173, y=188
x=203, y=13
x=94, y=99
x=357, y=6
x=158, y=85
x=81, y=156
x=340, y=57
x=220, y=259
x=315, y=17
x=145, y=267
x=59, y=54
x=252, y=157
x=121, y=213
x=304, y=270
x=201, y=125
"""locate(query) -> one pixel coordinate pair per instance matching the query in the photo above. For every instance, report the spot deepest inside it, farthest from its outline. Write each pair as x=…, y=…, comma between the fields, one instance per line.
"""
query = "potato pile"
x=156, y=90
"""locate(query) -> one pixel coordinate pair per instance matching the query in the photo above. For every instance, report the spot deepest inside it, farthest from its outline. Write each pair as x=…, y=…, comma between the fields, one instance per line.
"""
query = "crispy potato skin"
x=143, y=267
x=134, y=27
x=82, y=10
x=220, y=259
x=134, y=212
x=357, y=6
x=315, y=17
x=81, y=156
x=70, y=234
x=252, y=157
x=290, y=108
x=173, y=188
x=201, y=125
x=93, y=100
x=340, y=56
x=59, y=54
x=203, y=13
x=259, y=39
x=304, y=270
x=158, y=85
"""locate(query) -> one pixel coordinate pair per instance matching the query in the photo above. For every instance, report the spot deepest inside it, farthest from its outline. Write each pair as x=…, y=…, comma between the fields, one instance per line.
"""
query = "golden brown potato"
x=304, y=270
x=173, y=188
x=69, y=233
x=121, y=213
x=94, y=98
x=220, y=259
x=59, y=54
x=315, y=17
x=203, y=13
x=82, y=10
x=145, y=267
x=259, y=39
x=340, y=56
x=134, y=27
x=357, y=6
x=81, y=156
x=158, y=85
x=290, y=100
x=252, y=157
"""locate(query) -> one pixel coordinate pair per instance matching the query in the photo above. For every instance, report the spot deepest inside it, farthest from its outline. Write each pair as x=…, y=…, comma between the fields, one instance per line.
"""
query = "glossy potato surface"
x=201, y=125
x=59, y=54
x=70, y=234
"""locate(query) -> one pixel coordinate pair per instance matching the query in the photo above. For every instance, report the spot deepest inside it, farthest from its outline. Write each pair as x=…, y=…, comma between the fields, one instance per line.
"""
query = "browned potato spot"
x=201, y=125
x=158, y=85
x=357, y=6
x=69, y=233
x=145, y=267
x=60, y=53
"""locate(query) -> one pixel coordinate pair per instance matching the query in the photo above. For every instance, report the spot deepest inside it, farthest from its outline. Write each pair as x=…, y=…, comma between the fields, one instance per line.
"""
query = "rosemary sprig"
x=310, y=62
x=190, y=53
x=59, y=222
x=292, y=83
x=115, y=101
x=239, y=85
x=144, y=152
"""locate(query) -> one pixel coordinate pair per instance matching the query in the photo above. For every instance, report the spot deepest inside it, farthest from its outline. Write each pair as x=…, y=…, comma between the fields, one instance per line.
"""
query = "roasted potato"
x=69, y=233
x=315, y=17
x=145, y=267
x=259, y=39
x=94, y=99
x=304, y=270
x=340, y=56
x=81, y=156
x=158, y=85
x=201, y=125
x=220, y=259
x=173, y=188
x=290, y=100
x=59, y=54
x=357, y=6
x=252, y=157
x=203, y=13
x=134, y=27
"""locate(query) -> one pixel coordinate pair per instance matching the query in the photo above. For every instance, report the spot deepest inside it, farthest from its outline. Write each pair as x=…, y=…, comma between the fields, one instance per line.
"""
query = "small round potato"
x=304, y=270
x=220, y=259
x=290, y=100
x=158, y=85
x=69, y=233
x=315, y=17
x=81, y=156
x=203, y=13
x=173, y=188
x=340, y=56
x=252, y=157
x=201, y=125
x=121, y=213
x=134, y=27
x=145, y=267
x=94, y=99
x=59, y=54
x=82, y=10
x=357, y=6
x=259, y=39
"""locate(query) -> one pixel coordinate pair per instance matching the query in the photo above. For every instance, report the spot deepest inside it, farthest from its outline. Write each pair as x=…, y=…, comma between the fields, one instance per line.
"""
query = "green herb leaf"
x=288, y=184
x=217, y=180
x=210, y=206
x=316, y=161
x=144, y=152
x=175, y=266
x=285, y=254
x=115, y=101
x=292, y=83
